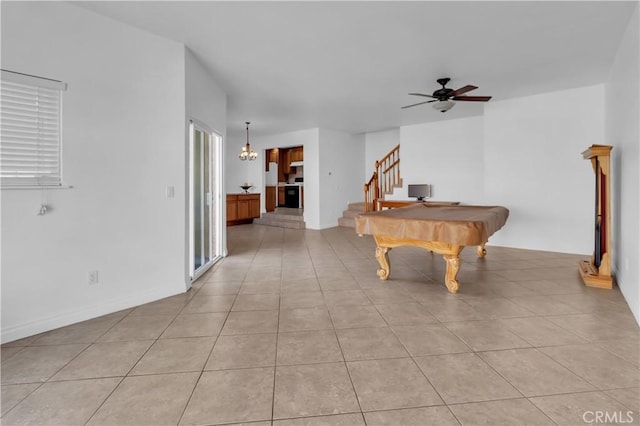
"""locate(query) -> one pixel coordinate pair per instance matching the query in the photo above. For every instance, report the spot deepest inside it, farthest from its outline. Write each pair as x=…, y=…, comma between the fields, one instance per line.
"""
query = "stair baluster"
x=385, y=178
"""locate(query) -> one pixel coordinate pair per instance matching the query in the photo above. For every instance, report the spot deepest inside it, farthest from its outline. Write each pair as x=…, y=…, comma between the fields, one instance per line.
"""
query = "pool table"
x=442, y=229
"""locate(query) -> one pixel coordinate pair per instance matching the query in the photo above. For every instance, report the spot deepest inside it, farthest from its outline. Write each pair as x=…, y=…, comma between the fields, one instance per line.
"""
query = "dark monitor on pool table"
x=420, y=191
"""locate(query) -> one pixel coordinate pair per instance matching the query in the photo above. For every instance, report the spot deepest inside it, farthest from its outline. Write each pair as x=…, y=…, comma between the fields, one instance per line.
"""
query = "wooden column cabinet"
x=596, y=272
x=270, y=198
x=242, y=208
x=281, y=196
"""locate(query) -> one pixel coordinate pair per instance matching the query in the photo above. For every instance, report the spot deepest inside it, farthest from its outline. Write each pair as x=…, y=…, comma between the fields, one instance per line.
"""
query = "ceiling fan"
x=444, y=97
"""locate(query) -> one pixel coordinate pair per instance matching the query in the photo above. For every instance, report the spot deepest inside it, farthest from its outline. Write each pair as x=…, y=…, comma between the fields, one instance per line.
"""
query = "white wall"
x=534, y=167
x=622, y=113
x=238, y=172
x=123, y=130
x=377, y=145
x=312, y=204
x=206, y=102
x=341, y=170
x=446, y=154
x=205, y=99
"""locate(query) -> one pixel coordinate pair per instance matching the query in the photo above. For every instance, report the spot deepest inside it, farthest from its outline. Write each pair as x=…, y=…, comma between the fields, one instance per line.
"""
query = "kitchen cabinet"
x=284, y=163
x=281, y=196
x=296, y=154
x=270, y=198
x=242, y=208
x=270, y=156
x=302, y=196
x=273, y=155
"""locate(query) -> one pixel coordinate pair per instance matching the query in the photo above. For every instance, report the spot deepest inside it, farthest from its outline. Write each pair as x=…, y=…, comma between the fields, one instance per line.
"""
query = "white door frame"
x=213, y=197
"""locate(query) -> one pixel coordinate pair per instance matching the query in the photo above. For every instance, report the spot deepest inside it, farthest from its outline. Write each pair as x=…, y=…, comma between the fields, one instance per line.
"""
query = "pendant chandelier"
x=247, y=153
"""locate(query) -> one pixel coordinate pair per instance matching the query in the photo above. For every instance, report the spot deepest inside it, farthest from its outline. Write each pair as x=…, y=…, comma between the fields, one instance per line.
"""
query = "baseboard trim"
x=41, y=325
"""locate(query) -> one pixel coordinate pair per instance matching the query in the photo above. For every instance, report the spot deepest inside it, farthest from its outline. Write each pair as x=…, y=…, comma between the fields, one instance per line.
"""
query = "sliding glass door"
x=205, y=208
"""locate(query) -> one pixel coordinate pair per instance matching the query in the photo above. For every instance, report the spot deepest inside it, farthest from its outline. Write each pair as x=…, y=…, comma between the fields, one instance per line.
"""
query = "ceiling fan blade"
x=472, y=98
x=421, y=94
x=419, y=103
x=464, y=89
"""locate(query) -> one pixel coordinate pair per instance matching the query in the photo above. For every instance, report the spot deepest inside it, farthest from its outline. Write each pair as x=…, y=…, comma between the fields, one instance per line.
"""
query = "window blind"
x=30, y=142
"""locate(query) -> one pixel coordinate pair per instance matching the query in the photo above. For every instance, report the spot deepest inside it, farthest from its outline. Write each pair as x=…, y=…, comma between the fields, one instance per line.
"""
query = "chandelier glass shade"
x=247, y=153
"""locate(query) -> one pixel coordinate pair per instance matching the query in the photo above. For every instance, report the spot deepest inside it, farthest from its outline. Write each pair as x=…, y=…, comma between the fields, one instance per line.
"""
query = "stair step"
x=356, y=206
x=352, y=213
x=280, y=216
x=348, y=222
x=280, y=223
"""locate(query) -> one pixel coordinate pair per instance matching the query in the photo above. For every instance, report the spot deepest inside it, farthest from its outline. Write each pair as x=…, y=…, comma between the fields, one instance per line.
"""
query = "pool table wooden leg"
x=482, y=252
x=453, y=266
x=383, y=259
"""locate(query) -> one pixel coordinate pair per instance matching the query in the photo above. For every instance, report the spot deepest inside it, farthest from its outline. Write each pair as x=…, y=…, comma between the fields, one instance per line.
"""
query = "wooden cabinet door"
x=232, y=208
x=267, y=159
x=254, y=208
x=243, y=209
x=270, y=198
x=270, y=156
x=296, y=154
x=281, y=196
x=273, y=155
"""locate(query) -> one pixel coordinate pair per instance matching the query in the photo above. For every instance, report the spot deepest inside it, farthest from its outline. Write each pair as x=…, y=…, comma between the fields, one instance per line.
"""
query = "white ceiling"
x=349, y=65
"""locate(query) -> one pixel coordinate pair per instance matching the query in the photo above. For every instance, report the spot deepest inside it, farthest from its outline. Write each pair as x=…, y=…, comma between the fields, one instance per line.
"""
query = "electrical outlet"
x=92, y=277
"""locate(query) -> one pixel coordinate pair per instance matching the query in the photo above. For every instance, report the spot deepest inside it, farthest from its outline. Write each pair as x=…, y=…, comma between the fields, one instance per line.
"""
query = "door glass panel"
x=197, y=201
x=216, y=208
x=206, y=192
x=204, y=195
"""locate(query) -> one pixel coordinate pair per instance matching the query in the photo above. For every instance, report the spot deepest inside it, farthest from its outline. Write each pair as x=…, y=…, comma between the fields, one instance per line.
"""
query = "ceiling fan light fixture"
x=443, y=106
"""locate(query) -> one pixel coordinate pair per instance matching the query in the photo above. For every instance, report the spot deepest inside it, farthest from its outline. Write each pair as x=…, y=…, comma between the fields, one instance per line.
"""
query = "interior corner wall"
x=205, y=99
x=377, y=145
x=237, y=172
x=533, y=166
x=622, y=131
x=446, y=154
x=206, y=102
x=340, y=174
x=123, y=143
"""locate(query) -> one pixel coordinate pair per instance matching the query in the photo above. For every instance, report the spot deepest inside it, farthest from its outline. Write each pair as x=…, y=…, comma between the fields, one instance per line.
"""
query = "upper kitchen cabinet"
x=296, y=154
x=270, y=156
x=284, y=162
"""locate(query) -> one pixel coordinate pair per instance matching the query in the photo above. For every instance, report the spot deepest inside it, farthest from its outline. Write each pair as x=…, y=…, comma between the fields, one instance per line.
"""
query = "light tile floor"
x=295, y=328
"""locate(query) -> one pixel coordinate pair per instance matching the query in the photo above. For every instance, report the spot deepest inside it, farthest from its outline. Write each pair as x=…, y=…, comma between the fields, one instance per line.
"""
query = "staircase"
x=281, y=220
x=385, y=178
x=353, y=209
